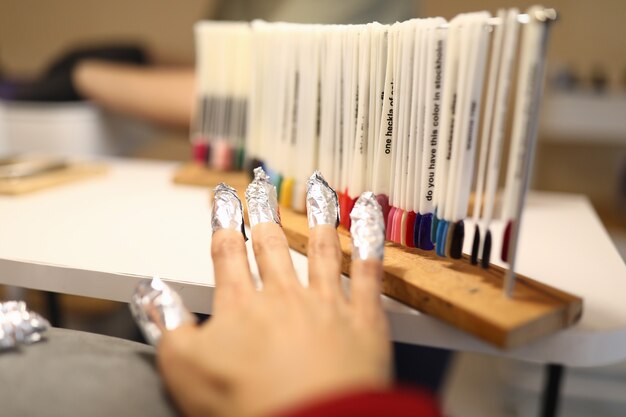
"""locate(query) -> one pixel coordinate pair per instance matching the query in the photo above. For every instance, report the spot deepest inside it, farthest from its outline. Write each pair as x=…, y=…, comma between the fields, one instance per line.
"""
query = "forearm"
x=162, y=95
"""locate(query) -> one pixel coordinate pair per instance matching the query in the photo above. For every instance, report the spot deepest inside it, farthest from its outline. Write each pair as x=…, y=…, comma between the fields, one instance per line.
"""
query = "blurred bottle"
x=565, y=79
x=599, y=80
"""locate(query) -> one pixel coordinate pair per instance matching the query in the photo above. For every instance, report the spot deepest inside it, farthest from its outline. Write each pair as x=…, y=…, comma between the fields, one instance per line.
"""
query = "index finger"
x=233, y=279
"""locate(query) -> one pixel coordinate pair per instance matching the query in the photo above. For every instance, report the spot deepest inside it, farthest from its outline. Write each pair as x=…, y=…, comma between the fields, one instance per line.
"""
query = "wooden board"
x=466, y=296
x=74, y=172
x=463, y=295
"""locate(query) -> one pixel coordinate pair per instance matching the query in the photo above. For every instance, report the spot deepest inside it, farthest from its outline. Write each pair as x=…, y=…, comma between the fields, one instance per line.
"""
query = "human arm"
x=161, y=95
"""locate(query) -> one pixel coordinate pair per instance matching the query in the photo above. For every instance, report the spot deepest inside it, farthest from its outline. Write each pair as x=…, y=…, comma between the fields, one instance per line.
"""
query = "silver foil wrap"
x=322, y=204
x=157, y=307
x=367, y=228
x=262, y=200
x=227, y=210
x=19, y=326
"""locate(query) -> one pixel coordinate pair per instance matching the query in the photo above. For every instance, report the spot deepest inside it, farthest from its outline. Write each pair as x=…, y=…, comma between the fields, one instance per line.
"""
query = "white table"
x=99, y=237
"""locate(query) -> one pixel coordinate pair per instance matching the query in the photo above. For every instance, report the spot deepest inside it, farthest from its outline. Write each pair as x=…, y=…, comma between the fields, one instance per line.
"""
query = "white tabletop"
x=99, y=237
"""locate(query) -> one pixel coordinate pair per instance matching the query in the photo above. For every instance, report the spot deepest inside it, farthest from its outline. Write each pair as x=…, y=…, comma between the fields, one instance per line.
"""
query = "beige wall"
x=33, y=31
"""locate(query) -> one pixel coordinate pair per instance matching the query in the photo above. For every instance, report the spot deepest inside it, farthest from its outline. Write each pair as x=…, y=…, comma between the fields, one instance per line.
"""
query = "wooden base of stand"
x=463, y=295
x=74, y=172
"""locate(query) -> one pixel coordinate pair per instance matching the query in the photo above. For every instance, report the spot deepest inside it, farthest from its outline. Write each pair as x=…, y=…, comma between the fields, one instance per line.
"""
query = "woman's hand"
x=264, y=352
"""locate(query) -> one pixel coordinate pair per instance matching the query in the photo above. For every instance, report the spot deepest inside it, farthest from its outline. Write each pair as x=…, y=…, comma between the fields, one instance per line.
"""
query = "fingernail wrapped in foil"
x=19, y=326
x=157, y=307
x=262, y=200
x=367, y=228
x=227, y=210
x=322, y=204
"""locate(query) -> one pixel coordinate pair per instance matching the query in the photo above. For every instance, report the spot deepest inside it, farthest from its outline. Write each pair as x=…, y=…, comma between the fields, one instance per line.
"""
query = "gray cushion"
x=74, y=373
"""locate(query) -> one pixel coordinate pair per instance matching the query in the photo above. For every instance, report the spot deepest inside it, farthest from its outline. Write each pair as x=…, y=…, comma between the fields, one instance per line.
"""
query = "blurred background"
x=582, y=144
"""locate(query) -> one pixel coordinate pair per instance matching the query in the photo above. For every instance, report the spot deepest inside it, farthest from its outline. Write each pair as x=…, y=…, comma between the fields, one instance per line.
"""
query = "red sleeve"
x=400, y=402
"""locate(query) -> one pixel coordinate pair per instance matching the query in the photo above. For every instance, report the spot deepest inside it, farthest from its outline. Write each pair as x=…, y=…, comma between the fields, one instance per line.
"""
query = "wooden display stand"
x=73, y=172
x=455, y=291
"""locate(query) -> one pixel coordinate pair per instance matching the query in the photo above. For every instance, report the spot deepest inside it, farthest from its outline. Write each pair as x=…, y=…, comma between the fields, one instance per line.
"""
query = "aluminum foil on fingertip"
x=157, y=307
x=227, y=210
x=262, y=200
x=322, y=204
x=19, y=326
x=367, y=228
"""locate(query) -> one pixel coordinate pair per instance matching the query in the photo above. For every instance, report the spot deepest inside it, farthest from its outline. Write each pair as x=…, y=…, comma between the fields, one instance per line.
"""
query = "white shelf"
x=99, y=237
x=583, y=117
x=69, y=129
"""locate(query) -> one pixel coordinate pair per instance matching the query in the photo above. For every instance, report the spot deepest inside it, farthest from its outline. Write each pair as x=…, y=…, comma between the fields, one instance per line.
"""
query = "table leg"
x=54, y=309
x=551, y=390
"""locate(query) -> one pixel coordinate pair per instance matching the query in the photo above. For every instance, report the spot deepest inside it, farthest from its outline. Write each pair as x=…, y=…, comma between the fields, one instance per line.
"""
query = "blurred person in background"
x=121, y=78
